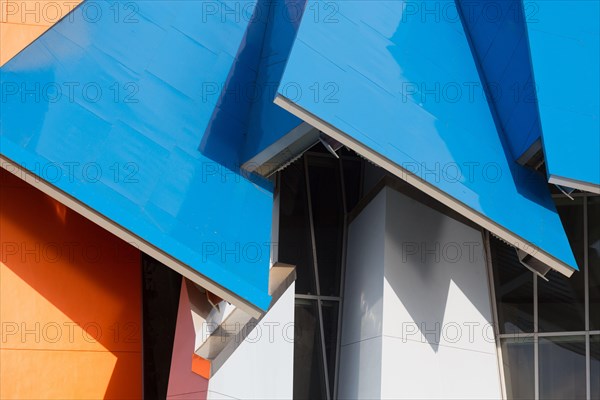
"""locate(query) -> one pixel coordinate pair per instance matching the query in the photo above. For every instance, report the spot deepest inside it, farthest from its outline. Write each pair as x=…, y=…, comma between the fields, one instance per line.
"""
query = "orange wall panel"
x=23, y=21
x=70, y=302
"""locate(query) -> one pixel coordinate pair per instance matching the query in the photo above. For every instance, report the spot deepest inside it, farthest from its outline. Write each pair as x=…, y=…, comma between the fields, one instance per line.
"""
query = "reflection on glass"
x=513, y=284
x=595, y=366
x=316, y=180
x=561, y=300
x=571, y=216
x=518, y=359
x=330, y=325
x=295, y=246
x=594, y=261
x=309, y=377
x=328, y=221
x=562, y=367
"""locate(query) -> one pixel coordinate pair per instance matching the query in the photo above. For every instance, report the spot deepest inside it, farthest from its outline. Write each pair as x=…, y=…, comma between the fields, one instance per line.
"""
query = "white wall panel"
x=363, y=302
x=262, y=367
x=360, y=368
x=360, y=352
x=435, y=317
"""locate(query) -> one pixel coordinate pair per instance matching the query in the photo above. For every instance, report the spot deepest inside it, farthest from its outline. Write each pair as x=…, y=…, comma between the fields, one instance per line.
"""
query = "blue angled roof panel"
x=565, y=38
x=268, y=122
x=113, y=114
x=498, y=35
x=402, y=99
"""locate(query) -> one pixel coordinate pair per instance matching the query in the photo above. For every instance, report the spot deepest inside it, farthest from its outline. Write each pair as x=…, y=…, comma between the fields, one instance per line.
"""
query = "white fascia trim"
x=274, y=149
x=574, y=183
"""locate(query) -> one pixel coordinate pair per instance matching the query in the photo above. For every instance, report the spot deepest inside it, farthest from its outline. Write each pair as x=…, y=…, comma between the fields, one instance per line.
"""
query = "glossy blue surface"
x=268, y=122
x=498, y=34
x=233, y=93
x=565, y=43
x=131, y=152
x=245, y=120
x=402, y=77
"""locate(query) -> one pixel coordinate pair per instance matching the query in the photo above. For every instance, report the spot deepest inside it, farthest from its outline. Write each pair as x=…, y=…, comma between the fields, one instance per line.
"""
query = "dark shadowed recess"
x=160, y=299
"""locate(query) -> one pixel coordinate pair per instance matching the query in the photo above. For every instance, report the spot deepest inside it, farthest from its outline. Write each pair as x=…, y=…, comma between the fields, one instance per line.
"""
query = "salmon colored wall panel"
x=183, y=382
x=70, y=302
x=22, y=22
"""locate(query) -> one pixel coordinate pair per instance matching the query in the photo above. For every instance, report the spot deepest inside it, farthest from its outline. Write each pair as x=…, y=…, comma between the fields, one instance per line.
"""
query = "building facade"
x=300, y=199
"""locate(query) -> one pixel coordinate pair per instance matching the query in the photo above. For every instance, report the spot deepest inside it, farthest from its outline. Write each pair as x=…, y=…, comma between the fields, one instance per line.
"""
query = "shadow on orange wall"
x=70, y=302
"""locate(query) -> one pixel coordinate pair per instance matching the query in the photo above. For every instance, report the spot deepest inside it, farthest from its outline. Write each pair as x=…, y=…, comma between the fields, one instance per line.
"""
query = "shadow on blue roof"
x=498, y=35
x=112, y=112
x=245, y=121
x=397, y=71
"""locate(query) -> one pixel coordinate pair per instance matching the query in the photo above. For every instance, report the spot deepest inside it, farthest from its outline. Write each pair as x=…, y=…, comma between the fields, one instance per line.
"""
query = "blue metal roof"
x=402, y=78
x=113, y=113
x=498, y=34
x=269, y=122
x=565, y=38
x=146, y=118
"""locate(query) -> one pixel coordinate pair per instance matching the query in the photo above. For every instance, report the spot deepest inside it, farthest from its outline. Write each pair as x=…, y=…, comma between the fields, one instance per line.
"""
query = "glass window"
x=328, y=220
x=561, y=300
x=594, y=261
x=518, y=359
x=312, y=203
x=571, y=216
x=513, y=284
x=352, y=180
x=595, y=366
x=330, y=325
x=295, y=246
x=562, y=367
x=561, y=307
x=309, y=377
